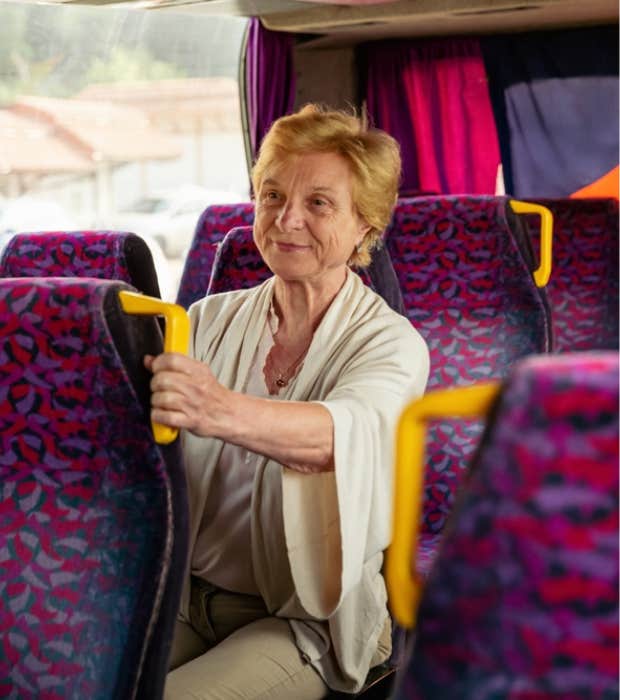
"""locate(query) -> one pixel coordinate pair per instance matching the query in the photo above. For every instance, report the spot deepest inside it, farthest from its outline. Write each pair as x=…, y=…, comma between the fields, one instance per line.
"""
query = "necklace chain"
x=283, y=376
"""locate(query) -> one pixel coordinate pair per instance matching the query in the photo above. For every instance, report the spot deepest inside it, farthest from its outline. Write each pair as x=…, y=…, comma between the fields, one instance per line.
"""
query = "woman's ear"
x=363, y=229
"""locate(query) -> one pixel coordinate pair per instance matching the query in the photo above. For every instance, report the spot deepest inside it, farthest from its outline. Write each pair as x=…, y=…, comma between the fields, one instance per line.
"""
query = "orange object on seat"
x=605, y=186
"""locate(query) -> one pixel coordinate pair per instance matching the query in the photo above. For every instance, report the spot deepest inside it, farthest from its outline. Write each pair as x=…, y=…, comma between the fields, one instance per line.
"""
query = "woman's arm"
x=186, y=394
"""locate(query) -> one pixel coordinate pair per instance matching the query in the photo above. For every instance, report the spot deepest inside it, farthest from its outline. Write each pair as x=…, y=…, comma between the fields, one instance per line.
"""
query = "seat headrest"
x=113, y=255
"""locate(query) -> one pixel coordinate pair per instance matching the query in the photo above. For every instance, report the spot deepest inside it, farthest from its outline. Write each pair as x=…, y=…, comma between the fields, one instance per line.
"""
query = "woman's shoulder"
x=374, y=308
x=365, y=329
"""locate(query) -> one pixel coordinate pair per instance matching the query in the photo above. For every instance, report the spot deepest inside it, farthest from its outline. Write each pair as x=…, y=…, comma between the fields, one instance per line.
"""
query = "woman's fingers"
x=172, y=381
x=173, y=419
x=181, y=390
x=172, y=361
x=172, y=400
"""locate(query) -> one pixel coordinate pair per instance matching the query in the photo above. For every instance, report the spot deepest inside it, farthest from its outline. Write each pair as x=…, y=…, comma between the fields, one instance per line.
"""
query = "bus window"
x=119, y=119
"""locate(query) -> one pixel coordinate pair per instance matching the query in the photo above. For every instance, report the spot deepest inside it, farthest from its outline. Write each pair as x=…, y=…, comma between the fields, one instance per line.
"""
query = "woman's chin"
x=291, y=270
x=288, y=275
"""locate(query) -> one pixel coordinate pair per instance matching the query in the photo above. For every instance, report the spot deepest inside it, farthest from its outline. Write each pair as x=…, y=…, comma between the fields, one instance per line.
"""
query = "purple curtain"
x=555, y=97
x=432, y=96
x=270, y=80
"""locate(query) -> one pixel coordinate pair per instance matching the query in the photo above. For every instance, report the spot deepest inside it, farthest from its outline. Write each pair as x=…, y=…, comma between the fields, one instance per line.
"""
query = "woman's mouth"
x=290, y=247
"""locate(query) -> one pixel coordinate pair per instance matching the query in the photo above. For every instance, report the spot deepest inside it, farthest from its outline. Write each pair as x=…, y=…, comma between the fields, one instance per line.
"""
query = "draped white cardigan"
x=318, y=539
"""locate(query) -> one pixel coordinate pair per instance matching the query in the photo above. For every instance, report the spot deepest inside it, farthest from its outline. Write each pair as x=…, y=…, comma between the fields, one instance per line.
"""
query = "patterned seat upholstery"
x=102, y=254
x=239, y=265
x=583, y=287
x=464, y=264
x=214, y=223
x=523, y=599
x=93, y=517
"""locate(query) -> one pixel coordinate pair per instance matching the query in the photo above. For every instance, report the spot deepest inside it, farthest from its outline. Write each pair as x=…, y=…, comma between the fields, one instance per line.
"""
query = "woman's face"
x=306, y=225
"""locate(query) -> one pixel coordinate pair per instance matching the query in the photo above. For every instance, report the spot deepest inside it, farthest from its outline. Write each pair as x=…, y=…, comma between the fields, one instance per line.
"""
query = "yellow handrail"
x=176, y=337
x=403, y=583
x=542, y=274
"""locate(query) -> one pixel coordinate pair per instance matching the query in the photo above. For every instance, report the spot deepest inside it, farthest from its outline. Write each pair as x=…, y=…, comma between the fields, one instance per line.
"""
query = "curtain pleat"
x=270, y=80
x=432, y=96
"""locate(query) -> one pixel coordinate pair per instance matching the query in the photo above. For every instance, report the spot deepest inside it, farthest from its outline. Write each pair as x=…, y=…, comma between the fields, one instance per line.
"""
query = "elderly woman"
x=288, y=409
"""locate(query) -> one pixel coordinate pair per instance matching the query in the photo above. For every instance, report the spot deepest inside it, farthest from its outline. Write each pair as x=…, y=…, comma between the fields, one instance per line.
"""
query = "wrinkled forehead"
x=310, y=171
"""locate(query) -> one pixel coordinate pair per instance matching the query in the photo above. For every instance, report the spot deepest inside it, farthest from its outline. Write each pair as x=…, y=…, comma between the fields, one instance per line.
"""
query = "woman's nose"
x=290, y=217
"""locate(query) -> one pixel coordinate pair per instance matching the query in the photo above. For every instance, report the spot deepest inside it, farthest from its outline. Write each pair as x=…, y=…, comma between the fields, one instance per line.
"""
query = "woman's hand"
x=185, y=394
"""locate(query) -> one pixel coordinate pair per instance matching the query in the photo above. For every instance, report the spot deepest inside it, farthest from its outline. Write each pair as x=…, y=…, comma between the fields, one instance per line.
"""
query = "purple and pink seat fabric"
x=101, y=254
x=93, y=515
x=214, y=223
x=583, y=287
x=237, y=264
x=522, y=601
x=465, y=268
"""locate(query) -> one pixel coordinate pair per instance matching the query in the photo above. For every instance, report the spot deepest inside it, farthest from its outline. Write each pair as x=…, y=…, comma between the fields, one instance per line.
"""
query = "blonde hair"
x=372, y=154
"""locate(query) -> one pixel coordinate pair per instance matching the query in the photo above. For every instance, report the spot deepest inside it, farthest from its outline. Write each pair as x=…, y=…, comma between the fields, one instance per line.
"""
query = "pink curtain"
x=432, y=96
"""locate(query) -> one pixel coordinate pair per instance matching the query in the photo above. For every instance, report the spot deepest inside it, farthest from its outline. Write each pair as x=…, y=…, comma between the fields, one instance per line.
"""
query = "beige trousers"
x=234, y=650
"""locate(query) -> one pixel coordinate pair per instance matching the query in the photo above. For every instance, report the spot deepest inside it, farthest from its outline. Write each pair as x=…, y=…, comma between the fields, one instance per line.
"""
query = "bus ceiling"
x=327, y=23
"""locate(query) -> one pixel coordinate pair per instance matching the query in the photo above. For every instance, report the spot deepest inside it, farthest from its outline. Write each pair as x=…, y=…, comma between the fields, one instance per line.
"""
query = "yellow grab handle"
x=176, y=337
x=403, y=583
x=542, y=274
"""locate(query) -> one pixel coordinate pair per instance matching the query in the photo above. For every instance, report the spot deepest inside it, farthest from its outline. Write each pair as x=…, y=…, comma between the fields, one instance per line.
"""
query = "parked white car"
x=31, y=213
x=170, y=216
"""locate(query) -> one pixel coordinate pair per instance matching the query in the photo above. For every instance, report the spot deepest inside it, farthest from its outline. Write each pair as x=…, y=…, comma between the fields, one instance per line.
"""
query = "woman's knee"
x=258, y=662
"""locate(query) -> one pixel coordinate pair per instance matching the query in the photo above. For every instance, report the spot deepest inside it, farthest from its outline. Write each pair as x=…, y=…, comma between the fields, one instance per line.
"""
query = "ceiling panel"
x=346, y=23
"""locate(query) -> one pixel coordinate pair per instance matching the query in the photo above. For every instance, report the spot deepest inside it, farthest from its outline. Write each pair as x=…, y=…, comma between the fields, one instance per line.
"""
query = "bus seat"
x=583, y=287
x=102, y=254
x=465, y=269
x=239, y=265
x=214, y=223
x=522, y=601
x=93, y=511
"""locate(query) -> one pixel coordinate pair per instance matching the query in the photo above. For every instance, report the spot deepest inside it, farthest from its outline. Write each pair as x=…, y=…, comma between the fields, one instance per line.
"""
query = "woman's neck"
x=301, y=305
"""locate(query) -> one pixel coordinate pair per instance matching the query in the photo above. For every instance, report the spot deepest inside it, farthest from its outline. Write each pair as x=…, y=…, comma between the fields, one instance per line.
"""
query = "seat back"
x=465, y=269
x=523, y=599
x=583, y=287
x=102, y=254
x=94, y=512
x=239, y=265
x=214, y=223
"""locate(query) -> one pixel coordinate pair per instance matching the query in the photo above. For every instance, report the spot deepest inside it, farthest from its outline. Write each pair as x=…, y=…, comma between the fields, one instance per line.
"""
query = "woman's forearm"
x=299, y=435
x=186, y=395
